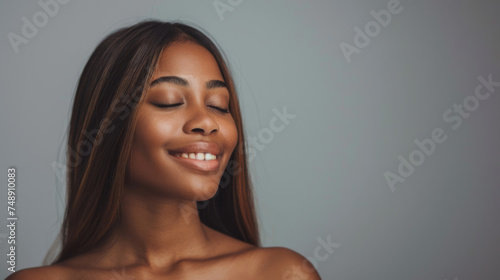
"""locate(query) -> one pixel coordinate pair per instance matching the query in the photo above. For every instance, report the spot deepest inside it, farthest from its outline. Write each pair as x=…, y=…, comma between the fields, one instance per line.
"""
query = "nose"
x=201, y=122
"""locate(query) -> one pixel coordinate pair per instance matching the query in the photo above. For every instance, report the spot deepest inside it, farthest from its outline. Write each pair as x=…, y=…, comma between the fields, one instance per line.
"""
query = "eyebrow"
x=183, y=82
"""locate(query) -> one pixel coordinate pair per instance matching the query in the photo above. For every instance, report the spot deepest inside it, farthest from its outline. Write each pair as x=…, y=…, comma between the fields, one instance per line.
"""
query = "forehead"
x=187, y=59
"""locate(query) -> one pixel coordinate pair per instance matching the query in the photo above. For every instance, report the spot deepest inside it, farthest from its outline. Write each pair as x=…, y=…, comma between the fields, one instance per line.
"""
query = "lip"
x=198, y=147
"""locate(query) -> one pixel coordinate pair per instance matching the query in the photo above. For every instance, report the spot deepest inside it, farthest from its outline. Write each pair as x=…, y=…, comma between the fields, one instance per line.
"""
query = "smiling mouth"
x=198, y=161
x=197, y=156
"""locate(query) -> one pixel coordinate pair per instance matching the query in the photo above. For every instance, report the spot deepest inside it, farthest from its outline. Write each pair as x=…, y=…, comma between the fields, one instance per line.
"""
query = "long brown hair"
x=111, y=87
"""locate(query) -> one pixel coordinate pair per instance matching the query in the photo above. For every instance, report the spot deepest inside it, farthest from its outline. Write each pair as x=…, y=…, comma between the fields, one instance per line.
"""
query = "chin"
x=204, y=191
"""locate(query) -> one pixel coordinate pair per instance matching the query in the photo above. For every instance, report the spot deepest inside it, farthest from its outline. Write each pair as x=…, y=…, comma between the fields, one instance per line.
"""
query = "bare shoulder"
x=53, y=272
x=266, y=262
x=283, y=263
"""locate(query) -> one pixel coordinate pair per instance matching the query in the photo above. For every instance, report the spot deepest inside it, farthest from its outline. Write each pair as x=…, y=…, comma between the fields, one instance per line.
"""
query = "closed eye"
x=225, y=111
x=159, y=105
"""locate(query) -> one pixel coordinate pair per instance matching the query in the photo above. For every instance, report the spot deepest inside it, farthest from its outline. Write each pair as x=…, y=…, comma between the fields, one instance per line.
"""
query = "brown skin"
x=161, y=236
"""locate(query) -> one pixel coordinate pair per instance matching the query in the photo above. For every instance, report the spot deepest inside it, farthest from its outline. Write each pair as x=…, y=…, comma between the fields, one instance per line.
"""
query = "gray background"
x=323, y=175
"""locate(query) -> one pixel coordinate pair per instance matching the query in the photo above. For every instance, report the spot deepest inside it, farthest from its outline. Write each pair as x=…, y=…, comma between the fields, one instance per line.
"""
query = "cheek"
x=230, y=134
x=152, y=133
x=148, y=146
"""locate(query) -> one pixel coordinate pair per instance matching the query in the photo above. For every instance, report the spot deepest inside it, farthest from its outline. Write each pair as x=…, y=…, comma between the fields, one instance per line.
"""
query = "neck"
x=157, y=233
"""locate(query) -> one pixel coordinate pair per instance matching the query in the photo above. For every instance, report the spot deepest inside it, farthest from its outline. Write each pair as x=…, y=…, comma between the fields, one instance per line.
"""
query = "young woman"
x=158, y=186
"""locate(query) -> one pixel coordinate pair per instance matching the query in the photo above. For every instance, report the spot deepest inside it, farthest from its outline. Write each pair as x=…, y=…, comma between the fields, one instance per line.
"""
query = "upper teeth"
x=198, y=156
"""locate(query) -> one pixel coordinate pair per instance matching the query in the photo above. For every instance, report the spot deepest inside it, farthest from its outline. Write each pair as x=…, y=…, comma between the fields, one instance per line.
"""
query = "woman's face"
x=182, y=126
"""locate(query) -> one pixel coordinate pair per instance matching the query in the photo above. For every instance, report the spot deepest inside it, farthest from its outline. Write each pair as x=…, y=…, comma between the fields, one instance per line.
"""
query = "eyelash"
x=225, y=111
